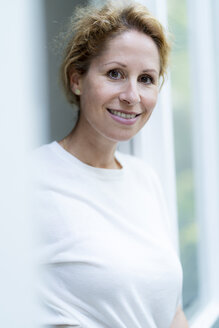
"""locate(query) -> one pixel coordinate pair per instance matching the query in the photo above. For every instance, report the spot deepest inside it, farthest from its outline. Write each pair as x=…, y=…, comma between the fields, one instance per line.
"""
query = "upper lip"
x=124, y=111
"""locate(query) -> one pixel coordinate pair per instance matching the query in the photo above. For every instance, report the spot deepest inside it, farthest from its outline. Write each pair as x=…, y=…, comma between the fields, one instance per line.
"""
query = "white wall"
x=22, y=104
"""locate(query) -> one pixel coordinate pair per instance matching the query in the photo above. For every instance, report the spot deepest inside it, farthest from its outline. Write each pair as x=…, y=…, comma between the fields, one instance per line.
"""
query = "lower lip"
x=122, y=120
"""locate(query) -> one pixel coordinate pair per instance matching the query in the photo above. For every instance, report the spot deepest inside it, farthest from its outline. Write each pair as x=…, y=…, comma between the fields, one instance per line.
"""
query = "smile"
x=123, y=118
x=121, y=114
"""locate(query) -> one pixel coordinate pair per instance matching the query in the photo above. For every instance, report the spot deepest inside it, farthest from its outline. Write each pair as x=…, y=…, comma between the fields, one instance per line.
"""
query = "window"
x=182, y=116
x=194, y=24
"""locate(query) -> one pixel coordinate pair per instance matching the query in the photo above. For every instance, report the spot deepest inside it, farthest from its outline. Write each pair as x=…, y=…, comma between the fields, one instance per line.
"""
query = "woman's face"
x=120, y=89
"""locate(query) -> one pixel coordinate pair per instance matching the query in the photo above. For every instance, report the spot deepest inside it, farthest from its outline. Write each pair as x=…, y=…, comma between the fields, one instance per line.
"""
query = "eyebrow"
x=115, y=62
x=123, y=65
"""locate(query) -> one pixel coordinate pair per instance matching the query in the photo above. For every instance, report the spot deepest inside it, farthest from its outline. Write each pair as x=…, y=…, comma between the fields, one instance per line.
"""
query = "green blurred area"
x=181, y=99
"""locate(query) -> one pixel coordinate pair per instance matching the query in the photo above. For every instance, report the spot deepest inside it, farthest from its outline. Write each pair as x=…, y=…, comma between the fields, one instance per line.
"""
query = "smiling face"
x=120, y=89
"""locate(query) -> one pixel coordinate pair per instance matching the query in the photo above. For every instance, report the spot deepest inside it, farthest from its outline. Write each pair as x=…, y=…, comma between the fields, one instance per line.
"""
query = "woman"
x=107, y=256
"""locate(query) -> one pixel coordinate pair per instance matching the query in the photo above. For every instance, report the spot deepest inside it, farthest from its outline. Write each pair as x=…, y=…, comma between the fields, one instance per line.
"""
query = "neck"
x=92, y=149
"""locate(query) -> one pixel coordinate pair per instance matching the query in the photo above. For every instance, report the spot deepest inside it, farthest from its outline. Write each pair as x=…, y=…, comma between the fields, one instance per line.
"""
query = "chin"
x=122, y=137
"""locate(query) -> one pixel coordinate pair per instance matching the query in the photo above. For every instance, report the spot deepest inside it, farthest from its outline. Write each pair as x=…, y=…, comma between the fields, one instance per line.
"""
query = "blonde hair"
x=90, y=28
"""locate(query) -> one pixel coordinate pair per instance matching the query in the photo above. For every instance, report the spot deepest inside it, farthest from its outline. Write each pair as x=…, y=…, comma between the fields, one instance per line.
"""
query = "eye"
x=146, y=79
x=115, y=74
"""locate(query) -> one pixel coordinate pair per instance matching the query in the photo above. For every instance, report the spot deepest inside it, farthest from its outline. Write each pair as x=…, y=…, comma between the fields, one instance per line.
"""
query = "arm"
x=179, y=321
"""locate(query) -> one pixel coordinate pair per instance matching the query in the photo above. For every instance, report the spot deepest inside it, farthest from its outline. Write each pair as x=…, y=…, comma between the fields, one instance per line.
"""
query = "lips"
x=123, y=114
x=123, y=117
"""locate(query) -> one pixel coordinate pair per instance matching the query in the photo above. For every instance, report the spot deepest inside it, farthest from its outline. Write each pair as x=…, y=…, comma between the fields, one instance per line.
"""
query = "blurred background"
x=183, y=132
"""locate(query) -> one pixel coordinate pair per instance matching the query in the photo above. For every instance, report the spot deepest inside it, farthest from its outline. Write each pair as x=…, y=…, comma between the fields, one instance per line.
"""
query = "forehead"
x=131, y=47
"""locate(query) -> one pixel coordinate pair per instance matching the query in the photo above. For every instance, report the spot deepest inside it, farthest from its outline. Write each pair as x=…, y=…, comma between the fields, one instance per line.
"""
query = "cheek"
x=95, y=94
x=150, y=101
x=89, y=97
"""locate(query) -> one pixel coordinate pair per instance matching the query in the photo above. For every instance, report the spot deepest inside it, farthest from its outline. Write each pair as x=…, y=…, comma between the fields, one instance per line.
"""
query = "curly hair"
x=90, y=28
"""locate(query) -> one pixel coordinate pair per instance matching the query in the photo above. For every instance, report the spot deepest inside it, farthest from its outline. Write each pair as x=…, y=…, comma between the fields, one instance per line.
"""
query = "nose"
x=130, y=94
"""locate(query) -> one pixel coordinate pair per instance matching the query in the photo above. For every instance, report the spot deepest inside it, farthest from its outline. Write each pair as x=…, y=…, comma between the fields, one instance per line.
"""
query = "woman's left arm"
x=179, y=321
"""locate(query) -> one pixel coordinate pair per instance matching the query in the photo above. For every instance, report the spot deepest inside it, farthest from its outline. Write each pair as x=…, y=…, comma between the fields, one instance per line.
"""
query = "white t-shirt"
x=106, y=256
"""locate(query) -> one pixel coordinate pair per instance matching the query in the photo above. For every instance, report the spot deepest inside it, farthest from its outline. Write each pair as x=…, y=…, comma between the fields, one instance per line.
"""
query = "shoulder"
x=141, y=173
x=42, y=153
x=138, y=167
x=42, y=160
x=147, y=179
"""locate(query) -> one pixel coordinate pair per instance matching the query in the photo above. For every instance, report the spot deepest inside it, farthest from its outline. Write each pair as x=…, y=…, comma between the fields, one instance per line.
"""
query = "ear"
x=76, y=83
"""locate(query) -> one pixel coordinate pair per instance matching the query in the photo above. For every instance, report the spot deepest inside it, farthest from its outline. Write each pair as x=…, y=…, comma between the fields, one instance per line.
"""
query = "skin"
x=124, y=77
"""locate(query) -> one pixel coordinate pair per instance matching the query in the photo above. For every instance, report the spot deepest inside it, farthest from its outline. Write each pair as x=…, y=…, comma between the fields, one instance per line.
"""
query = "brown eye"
x=114, y=74
x=146, y=79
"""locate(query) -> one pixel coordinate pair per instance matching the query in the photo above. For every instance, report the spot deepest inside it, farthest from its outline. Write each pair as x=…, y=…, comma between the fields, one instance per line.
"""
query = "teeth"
x=123, y=115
